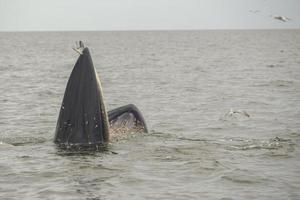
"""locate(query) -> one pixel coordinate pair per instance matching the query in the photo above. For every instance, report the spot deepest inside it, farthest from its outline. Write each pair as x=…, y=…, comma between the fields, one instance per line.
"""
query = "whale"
x=83, y=120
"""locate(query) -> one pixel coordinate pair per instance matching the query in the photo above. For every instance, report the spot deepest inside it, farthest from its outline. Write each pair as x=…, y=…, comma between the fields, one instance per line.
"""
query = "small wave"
x=193, y=139
x=281, y=83
x=243, y=177
x=276, y=146
x=271, y=66
x=21, y=141
x=276, y=83
x=3, y=144
x=46, y=93
x=275, y=65
x=153, y=133
x=295, y=134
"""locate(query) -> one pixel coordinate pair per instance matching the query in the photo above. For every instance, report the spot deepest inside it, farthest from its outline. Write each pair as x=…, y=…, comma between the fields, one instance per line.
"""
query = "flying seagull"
x=254, y=11
x=281, y=18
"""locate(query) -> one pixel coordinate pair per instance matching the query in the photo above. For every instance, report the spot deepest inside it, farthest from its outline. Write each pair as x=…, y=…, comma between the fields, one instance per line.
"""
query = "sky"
x=93, y=15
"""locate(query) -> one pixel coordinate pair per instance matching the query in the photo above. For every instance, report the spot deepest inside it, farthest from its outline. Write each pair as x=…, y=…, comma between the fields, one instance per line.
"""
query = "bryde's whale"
x=83, y=120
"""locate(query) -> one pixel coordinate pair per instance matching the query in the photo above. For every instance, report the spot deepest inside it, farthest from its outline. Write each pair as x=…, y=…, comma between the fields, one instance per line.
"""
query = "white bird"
x=254, y=11
x=281, y=18
x=240, y=112
x=79, y=47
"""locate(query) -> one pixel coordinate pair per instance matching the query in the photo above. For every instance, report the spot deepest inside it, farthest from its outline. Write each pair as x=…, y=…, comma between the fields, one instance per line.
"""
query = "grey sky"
x=41, y=15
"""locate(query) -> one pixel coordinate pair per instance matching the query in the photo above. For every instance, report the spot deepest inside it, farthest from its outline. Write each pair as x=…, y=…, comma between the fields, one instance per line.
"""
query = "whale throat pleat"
x=83, y=118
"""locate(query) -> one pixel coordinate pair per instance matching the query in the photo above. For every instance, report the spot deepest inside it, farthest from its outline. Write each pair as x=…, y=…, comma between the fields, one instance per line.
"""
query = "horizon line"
x=145, y=30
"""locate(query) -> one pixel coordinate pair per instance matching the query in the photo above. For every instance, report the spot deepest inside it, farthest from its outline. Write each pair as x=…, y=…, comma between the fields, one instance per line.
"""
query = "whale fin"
x=83, y=118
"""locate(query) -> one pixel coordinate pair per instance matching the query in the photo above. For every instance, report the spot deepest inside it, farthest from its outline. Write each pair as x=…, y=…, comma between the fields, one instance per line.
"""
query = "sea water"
x=222, y=107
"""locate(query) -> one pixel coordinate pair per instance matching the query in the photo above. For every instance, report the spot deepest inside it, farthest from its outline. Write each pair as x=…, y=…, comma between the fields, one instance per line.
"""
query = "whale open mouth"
x=83, y=122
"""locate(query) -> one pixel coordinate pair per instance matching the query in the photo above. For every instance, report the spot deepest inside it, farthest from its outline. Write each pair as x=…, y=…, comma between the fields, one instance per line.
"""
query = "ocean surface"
x=222, y=107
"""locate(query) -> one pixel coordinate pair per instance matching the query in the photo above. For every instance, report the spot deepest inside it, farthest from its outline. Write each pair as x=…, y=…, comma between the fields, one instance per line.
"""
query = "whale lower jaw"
x=83, y=120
